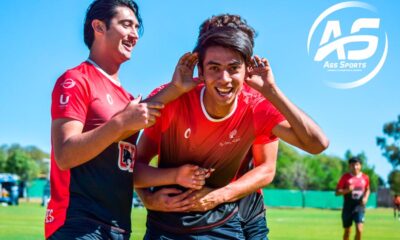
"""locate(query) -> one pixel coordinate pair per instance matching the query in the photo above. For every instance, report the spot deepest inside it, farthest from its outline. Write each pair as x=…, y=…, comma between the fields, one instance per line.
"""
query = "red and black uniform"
x=353, y=210
x=101, y=189
x=187, y=134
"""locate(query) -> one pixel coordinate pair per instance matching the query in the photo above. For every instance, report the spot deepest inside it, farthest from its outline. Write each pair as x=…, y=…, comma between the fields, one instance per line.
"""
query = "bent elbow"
x=61, y=162
x=319, y=146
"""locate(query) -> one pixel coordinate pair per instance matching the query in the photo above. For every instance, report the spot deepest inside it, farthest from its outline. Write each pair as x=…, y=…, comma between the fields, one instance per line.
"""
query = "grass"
x=26, y=222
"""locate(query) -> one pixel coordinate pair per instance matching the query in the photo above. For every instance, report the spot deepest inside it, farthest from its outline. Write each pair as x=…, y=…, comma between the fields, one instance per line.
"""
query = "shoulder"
x=73, y=76
x=365, y=176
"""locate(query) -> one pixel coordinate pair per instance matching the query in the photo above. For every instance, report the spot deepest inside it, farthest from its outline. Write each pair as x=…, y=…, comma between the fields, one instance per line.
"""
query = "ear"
x=98, y=26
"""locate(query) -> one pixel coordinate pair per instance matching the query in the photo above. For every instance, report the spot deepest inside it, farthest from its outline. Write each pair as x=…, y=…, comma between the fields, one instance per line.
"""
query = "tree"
x=21, y=164
x=390, y=144
x=3, y=158
x=394, y=181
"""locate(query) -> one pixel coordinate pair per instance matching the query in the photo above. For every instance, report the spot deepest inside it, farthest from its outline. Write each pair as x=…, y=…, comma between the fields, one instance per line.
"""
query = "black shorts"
x=256, y=229
x=231, y=229
x=86, y=229
x=348, y=216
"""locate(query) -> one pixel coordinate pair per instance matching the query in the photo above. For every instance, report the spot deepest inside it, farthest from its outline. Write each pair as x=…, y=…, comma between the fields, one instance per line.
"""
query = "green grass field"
x=26, y=222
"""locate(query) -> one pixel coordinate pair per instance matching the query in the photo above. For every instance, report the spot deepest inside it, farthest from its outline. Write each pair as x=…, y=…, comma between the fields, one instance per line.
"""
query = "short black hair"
x=226, y=37
x=228, y=31
x=104, y=10
x=354, y=160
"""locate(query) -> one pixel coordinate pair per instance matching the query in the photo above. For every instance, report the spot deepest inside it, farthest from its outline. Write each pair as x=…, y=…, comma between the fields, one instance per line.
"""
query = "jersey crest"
x=127, y=154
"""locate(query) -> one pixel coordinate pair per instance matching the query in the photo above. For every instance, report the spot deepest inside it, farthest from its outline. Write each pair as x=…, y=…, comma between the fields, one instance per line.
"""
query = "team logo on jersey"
x=127, y=154
x=109, y=99
x=187, y=133
x=68, y=83
x=49, y=216
x=64, y=99
x=348, y=44
x=232, y=134
x=232, y=139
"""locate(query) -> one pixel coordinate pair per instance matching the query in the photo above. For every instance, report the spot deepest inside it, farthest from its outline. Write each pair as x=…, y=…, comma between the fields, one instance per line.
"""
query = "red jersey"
x=187, y=134
x=102, y=188
x=360, y=184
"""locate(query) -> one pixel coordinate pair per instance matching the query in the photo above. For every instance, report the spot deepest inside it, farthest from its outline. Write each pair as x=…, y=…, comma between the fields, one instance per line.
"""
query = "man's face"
x=355, y=168
x=122, y=34
x=224, y=72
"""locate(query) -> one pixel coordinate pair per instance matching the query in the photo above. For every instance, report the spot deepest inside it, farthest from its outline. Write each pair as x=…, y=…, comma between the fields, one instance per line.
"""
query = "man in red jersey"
x=214, y=126
x=94, y=130
x=396, y=206
x=354, y=186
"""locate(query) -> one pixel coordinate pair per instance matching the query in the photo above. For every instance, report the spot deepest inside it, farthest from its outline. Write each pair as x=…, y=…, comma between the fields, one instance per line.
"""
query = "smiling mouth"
x=224, y=92
x=128, y=44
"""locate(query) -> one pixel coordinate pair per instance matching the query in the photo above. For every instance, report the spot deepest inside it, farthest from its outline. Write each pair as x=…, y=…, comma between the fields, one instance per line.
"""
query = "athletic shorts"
x=349, y=216
x=231, y=229
x=85, y=229
x=256, y=228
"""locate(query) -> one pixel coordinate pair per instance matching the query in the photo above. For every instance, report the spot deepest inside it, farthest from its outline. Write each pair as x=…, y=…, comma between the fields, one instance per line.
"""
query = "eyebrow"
x=234, y=62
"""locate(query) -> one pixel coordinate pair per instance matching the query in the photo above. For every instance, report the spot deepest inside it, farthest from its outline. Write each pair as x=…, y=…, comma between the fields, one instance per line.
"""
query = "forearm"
x=253, y=180
x=78, y=148
x=169, y=93
x=146, y=196
x=342, y=192
x=366, y=195
x=308, y=133
x=147, y=176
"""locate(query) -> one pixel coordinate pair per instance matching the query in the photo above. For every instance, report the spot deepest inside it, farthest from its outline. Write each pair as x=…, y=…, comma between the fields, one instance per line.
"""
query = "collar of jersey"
x=206, y=113
x=103, y=72
x=357, y=176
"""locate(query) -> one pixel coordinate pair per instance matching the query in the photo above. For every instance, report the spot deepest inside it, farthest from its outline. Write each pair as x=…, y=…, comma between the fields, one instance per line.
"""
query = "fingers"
x=189, y=60
x=256, y=62
x=154, y=105
x=137, y=100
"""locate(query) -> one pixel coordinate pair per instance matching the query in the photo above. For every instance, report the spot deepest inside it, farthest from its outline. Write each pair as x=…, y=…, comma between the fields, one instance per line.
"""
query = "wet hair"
x=105, y=10
x=354, y=160
x=228, y=31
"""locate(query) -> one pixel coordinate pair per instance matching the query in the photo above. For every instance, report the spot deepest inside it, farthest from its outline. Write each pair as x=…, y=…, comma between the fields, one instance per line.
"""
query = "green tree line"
x=315, y=172
x=26, y=162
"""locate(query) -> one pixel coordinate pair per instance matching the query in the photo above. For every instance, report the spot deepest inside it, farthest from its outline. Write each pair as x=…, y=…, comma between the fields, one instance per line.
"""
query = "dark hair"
x=226, y=37
x=354, y=160
x=229, y=31
x=104, y=10
x=227, y=20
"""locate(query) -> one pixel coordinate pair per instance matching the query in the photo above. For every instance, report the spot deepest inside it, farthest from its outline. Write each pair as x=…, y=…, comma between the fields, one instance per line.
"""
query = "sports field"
x=26, y=222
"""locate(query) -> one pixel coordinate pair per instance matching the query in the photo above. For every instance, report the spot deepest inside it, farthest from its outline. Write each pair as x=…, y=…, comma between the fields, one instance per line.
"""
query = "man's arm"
x=161, y=200
x=182, y=80
x=343, y=191
x=265, y=156
x=366, y=194
x=72, y=147
x=299, y=129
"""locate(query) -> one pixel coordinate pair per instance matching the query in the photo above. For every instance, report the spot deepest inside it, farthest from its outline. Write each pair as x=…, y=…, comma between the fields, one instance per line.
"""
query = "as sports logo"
x=348, y=43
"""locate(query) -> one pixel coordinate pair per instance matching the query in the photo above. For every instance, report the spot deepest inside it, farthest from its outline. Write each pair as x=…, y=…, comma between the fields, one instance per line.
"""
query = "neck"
x=215, y=110
x=105, y=63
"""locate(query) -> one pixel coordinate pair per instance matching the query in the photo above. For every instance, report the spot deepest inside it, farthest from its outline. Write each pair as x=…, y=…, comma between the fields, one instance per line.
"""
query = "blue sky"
x=41, y=39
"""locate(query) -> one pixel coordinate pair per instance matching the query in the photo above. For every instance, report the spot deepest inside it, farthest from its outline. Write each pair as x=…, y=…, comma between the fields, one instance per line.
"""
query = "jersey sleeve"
x=70, y=97
x=342, y=183
x=367, y=185
x=266, y=117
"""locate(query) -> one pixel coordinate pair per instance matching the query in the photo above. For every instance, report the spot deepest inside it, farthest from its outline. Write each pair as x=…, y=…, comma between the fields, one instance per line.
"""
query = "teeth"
x=224, y=90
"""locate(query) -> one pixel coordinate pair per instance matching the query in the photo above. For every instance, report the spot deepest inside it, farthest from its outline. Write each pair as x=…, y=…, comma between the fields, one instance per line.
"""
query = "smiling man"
x=354, y=186
x=94, y=130
x=215, y=125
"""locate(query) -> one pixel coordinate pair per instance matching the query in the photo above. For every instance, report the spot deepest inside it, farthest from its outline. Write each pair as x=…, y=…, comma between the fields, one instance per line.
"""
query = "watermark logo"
x=348, y=43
